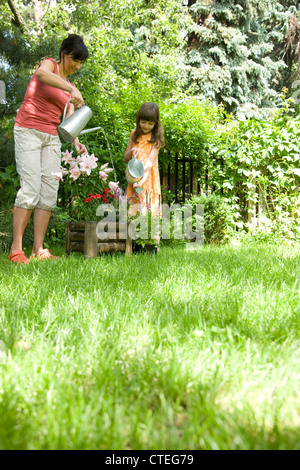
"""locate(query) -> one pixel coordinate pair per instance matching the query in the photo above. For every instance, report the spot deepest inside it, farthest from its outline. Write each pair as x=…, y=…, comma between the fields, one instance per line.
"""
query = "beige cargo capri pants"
x=38, y=156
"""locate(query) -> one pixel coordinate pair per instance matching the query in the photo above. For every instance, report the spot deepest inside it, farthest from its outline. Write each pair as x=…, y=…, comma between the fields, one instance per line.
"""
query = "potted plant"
x=147, y=232
x=84, y=185
x=87, y=188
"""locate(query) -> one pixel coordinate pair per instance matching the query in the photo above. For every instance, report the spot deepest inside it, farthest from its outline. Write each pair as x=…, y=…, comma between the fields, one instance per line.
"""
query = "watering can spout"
x=73, y=126
x=93, y=129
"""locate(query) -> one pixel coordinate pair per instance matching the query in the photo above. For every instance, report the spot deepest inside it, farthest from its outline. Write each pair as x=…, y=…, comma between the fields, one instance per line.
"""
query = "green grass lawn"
x=186, y=350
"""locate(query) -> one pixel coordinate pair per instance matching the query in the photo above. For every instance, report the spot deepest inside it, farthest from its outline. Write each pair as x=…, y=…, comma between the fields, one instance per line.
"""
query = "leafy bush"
x=6, y=235
x=220, y=218
x=6, y=230
x=7, y=147
x=9, y=183
x=271, y=231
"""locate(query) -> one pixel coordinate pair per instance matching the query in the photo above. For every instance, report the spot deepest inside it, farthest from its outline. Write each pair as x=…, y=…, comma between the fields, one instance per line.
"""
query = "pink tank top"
x=43, y=105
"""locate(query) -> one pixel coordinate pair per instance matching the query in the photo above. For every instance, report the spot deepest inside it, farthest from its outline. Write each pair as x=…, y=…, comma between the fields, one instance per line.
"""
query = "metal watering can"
x=73, y=126
x=134, y=172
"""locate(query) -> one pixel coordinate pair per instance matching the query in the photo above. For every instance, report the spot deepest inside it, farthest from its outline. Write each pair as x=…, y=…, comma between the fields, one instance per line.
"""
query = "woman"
x=37, y=145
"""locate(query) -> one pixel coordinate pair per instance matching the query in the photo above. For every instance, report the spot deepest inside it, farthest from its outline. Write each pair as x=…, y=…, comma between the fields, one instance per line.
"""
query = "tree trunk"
x=38, y=13
x=18, y=20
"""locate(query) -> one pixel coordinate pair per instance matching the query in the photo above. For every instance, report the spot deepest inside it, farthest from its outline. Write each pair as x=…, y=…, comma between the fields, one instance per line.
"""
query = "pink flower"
x=67, y=156
x=113, y=186
x=80, y=158
x=87, y=163
x=105, y=169
x=73, y=164
x=86, y=167
x=75, y=173
x=93, y=158
x=58, y=175
x=102, y=175
x=85, y=156
x=103, y=166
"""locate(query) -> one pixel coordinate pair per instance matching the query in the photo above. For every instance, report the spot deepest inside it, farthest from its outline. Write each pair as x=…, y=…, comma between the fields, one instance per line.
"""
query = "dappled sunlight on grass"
x=186, y=350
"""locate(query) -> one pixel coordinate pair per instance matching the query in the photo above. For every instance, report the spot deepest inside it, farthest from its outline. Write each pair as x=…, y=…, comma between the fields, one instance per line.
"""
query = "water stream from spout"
x=109, y=150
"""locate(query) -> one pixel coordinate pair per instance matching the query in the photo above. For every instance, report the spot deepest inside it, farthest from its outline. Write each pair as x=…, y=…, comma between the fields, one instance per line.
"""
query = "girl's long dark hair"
x=75, y=46
x=150, y=112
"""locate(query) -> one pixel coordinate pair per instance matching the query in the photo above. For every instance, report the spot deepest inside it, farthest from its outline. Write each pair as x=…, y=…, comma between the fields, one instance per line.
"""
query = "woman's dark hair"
x=150, y=112
x=74, y=46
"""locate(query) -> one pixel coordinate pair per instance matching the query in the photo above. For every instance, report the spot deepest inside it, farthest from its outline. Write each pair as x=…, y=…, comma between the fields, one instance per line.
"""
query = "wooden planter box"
x=82, y=237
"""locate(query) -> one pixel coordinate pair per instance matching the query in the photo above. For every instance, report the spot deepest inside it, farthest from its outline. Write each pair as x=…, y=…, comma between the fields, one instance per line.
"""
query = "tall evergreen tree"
x=231, y=53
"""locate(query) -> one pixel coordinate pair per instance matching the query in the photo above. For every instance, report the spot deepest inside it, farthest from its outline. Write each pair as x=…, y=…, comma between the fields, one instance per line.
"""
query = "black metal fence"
x=184, y=177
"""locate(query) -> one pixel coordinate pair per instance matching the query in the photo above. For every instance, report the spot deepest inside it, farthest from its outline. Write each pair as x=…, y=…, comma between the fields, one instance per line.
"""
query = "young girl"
x=144, y=143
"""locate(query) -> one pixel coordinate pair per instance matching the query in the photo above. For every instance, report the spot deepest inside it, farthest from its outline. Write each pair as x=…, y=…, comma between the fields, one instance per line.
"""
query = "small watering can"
x=134, y=172
x=73, y=126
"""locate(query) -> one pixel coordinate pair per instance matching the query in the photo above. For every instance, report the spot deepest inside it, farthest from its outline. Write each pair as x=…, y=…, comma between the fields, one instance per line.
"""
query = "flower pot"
x=82, y=237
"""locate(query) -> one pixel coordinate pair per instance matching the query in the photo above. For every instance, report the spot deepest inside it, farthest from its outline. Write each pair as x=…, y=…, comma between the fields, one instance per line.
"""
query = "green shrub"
x=220, y=218
x=6, y=231
x=276, y=232
x=9, y=183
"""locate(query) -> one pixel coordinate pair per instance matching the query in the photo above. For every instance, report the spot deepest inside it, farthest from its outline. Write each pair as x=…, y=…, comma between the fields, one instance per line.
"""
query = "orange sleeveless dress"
x=150, y=198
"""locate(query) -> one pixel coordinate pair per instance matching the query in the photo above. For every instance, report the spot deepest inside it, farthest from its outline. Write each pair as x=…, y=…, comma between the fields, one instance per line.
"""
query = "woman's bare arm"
x=45, y=73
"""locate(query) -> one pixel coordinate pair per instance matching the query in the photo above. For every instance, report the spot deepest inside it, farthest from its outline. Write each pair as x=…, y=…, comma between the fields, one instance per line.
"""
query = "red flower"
x=93, y=196
x=105, y=200
x=111, y=196
x=106, y=191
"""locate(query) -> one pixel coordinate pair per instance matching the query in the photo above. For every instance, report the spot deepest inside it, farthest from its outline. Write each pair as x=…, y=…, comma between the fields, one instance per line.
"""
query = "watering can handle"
x=65, y=110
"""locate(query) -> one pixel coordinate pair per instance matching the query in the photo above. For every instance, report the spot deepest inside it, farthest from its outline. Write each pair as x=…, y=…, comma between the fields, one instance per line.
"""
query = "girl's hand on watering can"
x=76, y=98
x=134, y=151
